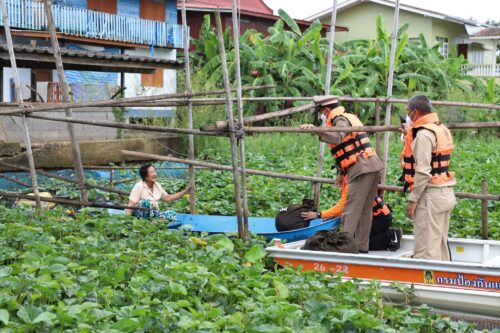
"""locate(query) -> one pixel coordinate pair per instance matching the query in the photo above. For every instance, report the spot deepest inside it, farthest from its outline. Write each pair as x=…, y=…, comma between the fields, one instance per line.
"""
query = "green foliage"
x=295, y=63
x=98, y=273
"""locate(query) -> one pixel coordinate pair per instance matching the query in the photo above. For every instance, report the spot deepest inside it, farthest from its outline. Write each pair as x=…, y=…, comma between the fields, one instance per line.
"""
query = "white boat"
x=469, y=283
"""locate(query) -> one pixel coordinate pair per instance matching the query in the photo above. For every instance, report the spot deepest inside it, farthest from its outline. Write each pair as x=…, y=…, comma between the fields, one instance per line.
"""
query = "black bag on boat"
x=379, y=233
x=394, y=236
x=331, y=241
x=289, y=217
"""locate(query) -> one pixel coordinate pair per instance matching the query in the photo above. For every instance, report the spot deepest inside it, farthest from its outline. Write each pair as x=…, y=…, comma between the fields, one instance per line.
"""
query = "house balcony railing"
x=482, y=70
x=29, y=14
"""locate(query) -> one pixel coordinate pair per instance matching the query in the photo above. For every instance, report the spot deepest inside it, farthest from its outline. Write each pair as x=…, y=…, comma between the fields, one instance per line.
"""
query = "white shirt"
x=141, y=191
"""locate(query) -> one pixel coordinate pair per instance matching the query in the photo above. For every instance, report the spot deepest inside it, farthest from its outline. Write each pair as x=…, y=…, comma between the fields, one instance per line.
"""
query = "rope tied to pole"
x=237, y=130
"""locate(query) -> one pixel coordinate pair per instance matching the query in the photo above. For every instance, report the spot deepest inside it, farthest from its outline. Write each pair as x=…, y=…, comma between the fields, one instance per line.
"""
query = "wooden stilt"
x=390, y=80
x=232, y=132
x=328, y=79
x=239, y=98
x=65, y=89
x=187, y=72
x=19, y=97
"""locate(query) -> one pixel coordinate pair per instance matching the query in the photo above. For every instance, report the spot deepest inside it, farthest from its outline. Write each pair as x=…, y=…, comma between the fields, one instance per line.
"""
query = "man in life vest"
x=356, y=158
x=426, y=160
x=380, y=237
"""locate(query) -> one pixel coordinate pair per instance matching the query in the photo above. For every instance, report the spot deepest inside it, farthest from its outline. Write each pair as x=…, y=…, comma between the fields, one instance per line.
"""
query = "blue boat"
x=264, y=226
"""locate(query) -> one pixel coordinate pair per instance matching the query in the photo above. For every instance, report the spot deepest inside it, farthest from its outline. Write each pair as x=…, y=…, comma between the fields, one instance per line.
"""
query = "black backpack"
x=331, y=241
x=289, y=217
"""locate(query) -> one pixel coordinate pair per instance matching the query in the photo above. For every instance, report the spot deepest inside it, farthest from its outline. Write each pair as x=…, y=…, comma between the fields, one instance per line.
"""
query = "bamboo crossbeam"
x=208, y=165
x=391, y=128
x=112, y=124
x=118, y=101
x=66, y=179
x=68, y=201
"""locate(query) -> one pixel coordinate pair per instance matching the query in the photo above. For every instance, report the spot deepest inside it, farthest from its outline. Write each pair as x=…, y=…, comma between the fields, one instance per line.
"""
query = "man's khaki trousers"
x=357, y=213
x=431, y=222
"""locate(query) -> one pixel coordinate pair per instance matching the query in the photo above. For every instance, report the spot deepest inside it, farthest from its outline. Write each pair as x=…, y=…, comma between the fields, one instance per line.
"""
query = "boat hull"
x=470, y=283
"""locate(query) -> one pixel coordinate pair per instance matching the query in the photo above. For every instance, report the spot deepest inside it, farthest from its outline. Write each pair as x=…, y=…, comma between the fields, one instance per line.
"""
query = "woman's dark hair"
x=143, y=170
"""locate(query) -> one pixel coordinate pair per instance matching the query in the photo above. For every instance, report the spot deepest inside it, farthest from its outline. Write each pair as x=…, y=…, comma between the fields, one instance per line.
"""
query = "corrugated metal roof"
x=92, y=55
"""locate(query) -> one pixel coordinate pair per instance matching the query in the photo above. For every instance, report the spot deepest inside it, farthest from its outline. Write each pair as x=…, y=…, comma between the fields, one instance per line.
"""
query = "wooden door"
x=462, y=50
x=105, y=6
x=153, y=10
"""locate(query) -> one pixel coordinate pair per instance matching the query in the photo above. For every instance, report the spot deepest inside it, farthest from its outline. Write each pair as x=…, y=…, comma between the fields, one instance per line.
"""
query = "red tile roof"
x=494, y=31
x=257, y=6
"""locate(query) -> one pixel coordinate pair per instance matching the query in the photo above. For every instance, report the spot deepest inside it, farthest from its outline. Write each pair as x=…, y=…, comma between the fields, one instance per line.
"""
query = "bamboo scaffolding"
x=65, y=89
x=220, y=131
x=187, y=72
x=68, y=201
x=390, y=79
x=230, y=120
x=118, y=101
x=221, y=101
x=19, y=97
x=239, y=96
x=316, y=190
x=66, y=179
x=208, y=165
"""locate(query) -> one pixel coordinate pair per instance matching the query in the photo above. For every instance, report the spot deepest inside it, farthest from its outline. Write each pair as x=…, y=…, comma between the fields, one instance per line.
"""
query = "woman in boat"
x=380, y=237
x=148, y=192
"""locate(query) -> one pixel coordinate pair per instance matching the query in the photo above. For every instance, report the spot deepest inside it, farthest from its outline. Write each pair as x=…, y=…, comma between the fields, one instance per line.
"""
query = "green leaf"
x=126, y=325
x=45, y=317
x=255, y=254
x=178, y=288
x=5, y=271
x=4, y=316
x=289, y=21
x=225, y=243
x=281, y=289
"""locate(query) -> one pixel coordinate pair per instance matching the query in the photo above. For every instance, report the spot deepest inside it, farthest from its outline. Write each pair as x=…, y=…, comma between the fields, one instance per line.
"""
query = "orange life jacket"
x=380, y=209
x=353, y=145
x=441, y=156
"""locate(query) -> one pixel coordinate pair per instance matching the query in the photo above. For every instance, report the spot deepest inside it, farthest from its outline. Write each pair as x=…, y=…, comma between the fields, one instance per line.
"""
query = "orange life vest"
x=380, y=209
x=353, y=145
x=441, y=156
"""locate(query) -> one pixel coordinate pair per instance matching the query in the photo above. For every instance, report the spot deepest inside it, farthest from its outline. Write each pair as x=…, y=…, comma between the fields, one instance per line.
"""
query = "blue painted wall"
x=171, y=11
x=128, y=7
x=73, y=3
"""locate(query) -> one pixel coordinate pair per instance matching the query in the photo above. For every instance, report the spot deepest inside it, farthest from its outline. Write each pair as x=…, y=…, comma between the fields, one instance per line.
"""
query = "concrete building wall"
x=455, y=32
x=362, y=19
x=42, y=131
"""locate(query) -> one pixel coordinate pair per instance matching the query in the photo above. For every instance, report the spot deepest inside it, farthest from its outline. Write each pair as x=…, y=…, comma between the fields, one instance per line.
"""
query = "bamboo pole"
x=119, y=101
x=187, y=72
x=243, y=171
x=394, y=42
x=65, y=89
x=112, y=124
x=232, y=132
x=223, y=125
x=317, y=186
x=277, y=129
x=182, y=100
x=19, y=96
x=377, y=123
x=69, y=202
x=391, y=128
x=484, y=210
x=66, y=179
x=208, y=165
